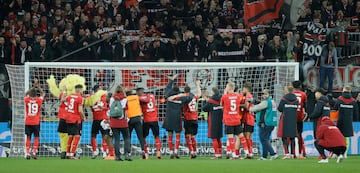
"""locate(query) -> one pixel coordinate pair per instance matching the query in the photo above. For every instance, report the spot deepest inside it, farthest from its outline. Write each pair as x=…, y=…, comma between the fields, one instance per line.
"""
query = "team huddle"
x=127, y=110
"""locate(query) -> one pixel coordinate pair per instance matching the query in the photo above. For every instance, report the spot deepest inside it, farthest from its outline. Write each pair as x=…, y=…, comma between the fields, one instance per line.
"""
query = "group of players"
x=233, y=109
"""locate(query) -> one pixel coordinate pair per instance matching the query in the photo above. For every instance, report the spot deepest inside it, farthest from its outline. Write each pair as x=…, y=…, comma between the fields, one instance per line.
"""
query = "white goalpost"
x=151, y=76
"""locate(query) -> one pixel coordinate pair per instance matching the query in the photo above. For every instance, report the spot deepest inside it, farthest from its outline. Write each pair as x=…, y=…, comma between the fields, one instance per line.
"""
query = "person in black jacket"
x=212, y=105
x=174, y=103
x=322, y=108
x=287, y=125
x=347, y=107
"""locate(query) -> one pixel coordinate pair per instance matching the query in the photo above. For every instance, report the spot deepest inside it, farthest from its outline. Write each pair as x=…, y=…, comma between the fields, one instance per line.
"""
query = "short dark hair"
x=79, y=86
x=187, y=89
x=140, y=89
x=248, y=85
x=176, y=88
x=96, y=88
x=296, y=84
x=215, y=90
x=32, y=92
x=321, y=90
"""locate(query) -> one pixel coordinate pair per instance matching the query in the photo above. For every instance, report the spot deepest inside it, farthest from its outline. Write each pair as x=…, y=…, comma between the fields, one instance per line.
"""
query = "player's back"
x=189, y=109
x=62, y=108
x=100, y=108
x=231, y=110
x=73, y=102
x=32, y=110
x=149, y=109
x=301, y=97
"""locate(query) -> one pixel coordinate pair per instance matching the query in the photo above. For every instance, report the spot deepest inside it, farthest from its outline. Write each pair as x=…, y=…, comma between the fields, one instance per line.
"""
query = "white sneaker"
x=262, y=158
x=339, y=158
x=104, y=154
x=323, y=161
x=274, y=157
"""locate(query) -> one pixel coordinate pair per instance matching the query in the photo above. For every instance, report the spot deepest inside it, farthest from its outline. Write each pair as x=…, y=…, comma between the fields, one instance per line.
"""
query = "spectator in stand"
x=106, y=51
x=228, y=13
x=123, y=51
x=328, y=64
x=69, y=46
x=22, y=52
x=140, y=49
x=207, y=48
x=225, y=50
x=290, y=44
x=4, y=52
x=187, y=47
x=157, y=50
x=42, y=52
x=327, y=14
x=173, y=50
x=261, y=51
x=278, y=50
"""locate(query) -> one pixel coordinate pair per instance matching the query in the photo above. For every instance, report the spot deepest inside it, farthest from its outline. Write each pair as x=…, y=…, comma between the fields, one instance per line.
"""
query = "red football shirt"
x=148, y=107
x=249, y=117
x=189, y=109
x=73, y=103
x=231, y=109
x=301, y=96
x=32, y=110
x=99, y=109
x=62, y=108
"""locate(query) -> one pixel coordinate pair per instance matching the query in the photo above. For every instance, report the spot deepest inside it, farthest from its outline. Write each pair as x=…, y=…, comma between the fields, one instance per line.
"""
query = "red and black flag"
x=257, y=11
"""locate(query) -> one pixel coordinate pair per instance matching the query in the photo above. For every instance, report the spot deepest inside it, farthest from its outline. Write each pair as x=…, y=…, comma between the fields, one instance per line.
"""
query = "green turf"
x=184, y=165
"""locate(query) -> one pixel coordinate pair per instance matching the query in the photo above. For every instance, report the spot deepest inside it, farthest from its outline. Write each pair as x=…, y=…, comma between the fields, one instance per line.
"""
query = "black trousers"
x=136, y=123
x=336, y=150
x=126, y=135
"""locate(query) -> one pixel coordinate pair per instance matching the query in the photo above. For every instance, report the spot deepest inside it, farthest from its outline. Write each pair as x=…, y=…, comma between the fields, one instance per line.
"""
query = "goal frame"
x=147, y=66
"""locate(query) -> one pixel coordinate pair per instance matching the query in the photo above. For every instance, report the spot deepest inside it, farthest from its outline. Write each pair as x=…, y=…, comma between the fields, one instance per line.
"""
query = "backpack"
x=116, y=110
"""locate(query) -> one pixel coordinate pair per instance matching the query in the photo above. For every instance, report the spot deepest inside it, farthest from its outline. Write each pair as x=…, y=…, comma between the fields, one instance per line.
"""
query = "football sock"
x=188, y=143
x=347, y=140
x=158, y=143
x=285, y=145
x=219, y=146
x=104, y=145
x=145, y=146
x=215, y=146
x=69, y=142
x=36, y=145
x=250, y=145
x=244, y=144
x=177, y=142
x=93, y=144
x=300, y=143
x=75, y=144
x=63, y=141
x=193, y=141
x=170, y=143
x=292, y=146
x=28, y=141
x=231, y=144
x=111, y=151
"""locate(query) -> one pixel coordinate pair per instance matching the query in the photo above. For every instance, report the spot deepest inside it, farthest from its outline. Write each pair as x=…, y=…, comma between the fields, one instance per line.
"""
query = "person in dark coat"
x=174, y=103
x=347, y=107
x=329, y=137
x=322, y=108
x=215, y=125
x=287, y=124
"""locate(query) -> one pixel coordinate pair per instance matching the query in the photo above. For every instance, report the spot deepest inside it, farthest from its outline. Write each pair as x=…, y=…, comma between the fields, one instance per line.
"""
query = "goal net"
x=153, y=77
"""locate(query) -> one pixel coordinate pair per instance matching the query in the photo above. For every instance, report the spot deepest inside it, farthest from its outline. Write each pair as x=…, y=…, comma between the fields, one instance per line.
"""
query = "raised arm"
x=198, y=88
x=262, y=105
x=53, y=88
x=169, y=86
x=171, y=98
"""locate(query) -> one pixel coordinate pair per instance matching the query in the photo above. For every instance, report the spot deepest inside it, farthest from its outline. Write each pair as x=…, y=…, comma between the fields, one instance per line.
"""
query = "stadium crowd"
x=171, y=31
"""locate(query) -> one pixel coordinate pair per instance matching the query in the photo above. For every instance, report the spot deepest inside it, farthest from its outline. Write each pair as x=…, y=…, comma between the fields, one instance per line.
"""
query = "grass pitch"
x=183, y=165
